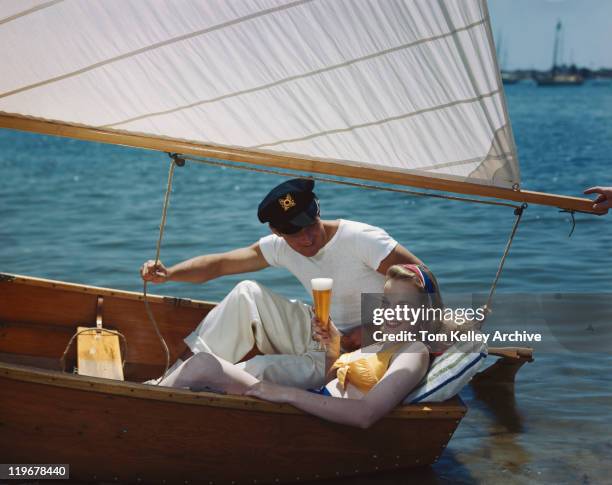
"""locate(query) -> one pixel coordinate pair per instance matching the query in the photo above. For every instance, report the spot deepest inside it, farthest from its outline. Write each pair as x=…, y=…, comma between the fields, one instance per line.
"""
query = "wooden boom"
x=117, y=137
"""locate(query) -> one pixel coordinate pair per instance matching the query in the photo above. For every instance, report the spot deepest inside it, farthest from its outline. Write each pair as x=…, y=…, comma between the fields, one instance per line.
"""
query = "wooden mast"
x=292, y=162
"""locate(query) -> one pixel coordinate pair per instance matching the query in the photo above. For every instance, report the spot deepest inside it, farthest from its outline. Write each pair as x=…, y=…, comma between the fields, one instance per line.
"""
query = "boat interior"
x=39, y=320
x=39, y=317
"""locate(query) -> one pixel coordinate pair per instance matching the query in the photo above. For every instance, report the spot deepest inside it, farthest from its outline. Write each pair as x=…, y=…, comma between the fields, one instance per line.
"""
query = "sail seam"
x=298, y=76
x=464, y=57
x=153, y=47
x=29, y=11
x=379, y=122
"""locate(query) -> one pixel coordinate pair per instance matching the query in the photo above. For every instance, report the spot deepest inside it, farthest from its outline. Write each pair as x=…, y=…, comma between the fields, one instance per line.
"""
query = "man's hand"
x=155, y=273
x=352, y=340
x=603, y=200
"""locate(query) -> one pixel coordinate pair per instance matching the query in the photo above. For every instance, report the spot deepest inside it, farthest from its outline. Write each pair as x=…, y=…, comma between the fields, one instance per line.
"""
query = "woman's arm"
x=404, y=373
x=352, y=412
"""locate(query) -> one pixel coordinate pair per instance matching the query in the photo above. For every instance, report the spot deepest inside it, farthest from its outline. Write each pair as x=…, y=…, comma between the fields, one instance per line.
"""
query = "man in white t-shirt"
x=268, y=334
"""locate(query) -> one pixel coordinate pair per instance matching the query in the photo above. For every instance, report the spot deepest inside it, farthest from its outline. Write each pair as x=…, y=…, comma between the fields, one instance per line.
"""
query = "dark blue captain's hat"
x=290, y=206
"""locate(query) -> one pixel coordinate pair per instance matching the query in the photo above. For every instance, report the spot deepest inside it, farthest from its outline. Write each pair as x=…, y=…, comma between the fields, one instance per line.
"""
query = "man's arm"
x=207, y=267
x=399, y=255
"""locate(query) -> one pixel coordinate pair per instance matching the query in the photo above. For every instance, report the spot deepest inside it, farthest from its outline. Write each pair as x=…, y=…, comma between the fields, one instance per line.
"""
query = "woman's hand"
x=269, y=391
x=352, y=340
x=327, y=335
x=155, y=273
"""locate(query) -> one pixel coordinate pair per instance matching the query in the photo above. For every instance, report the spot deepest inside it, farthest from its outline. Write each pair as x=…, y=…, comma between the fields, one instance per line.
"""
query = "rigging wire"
x=176, y=160
x=350, y=184
x=519, y=214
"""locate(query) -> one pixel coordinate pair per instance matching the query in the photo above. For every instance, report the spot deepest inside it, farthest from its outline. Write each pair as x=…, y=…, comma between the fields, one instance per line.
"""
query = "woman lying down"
x=362, y=386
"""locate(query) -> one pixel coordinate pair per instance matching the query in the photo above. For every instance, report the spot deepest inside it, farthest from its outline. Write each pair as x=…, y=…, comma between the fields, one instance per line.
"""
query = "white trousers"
x=252, y=315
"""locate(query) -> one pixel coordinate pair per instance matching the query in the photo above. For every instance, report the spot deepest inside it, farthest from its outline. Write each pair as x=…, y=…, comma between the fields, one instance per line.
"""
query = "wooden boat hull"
x=112, y=430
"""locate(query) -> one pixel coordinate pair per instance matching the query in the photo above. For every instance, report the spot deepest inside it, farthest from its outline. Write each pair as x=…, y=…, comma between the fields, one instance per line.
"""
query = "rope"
x=180, y=162
x=518, y=213
x=572, y=213
x=350, y=184
x=99, y=331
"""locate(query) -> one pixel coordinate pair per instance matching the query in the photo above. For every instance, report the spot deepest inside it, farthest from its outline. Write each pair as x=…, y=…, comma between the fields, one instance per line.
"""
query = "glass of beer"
x=321, y=296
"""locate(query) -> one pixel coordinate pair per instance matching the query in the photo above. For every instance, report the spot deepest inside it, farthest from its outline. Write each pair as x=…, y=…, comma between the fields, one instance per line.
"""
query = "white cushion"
x=449, y=373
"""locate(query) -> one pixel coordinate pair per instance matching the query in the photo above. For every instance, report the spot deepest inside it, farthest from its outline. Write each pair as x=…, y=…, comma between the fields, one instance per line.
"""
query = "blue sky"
x=527, y=31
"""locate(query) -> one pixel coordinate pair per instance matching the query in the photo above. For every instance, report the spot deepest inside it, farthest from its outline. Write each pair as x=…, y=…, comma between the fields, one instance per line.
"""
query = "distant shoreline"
x=586, y=73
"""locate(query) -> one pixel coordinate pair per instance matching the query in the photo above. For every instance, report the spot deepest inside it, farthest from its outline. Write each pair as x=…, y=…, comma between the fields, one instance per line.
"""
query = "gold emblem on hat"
x=286, y=202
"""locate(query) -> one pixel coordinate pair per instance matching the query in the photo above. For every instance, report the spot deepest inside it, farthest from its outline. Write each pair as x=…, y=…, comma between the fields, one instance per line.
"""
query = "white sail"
x=402, y=85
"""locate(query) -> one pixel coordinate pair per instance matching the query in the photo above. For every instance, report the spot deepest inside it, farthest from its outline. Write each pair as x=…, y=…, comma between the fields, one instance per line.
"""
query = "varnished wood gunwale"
x=512, y=353
x=102, y=291
x=255, y=157
x=452, y=409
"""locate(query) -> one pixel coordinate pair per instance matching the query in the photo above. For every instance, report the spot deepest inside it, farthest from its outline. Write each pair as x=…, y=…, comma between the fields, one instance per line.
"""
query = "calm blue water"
x=89, y=213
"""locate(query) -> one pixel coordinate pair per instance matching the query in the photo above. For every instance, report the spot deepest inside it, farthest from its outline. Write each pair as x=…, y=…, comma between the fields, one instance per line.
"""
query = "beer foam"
x=321, y=284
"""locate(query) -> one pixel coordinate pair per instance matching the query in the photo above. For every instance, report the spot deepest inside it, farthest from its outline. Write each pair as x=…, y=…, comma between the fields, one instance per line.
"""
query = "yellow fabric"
x=363, y=373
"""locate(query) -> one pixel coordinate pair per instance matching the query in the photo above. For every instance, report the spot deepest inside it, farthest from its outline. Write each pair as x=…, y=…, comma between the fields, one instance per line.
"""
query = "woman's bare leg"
x=207, y=371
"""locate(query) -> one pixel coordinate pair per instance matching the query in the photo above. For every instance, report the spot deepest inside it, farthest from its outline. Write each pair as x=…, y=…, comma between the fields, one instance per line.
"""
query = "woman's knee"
x=204, y=366
x=247, y=286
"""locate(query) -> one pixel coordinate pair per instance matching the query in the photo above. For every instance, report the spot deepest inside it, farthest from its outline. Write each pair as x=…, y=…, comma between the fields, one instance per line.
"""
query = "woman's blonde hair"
x=408, y=272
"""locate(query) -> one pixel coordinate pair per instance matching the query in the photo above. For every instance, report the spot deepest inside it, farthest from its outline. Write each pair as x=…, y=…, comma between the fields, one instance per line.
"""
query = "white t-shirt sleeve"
x=271, y=248
x=373, y=245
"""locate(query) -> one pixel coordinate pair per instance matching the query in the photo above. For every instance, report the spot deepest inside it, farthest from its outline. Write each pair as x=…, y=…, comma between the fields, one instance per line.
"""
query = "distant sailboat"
x=509, y=77
x=557, y=76
x=506, y=76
